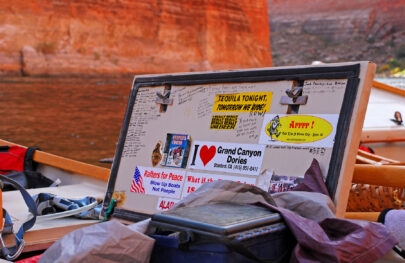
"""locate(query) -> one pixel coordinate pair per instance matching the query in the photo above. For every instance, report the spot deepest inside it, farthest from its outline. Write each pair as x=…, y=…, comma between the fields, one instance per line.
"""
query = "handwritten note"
x=204, y=108
x=144, y=111
x=324, y=86
x=248, y=127
x=187, y=94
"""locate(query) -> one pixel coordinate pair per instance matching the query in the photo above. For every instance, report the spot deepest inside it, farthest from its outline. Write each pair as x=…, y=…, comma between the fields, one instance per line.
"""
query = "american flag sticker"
x=159, y=182
x=136, y=186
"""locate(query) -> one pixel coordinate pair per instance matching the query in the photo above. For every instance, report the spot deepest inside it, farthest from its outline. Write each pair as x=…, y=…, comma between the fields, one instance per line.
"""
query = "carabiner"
x=19, y=247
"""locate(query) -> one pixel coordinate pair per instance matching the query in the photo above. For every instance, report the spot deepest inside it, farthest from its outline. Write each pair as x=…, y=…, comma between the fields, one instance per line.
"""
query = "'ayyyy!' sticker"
x=305, y=130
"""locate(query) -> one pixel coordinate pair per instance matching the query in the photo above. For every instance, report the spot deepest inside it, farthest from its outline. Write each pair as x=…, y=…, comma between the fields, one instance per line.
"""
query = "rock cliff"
x=331, y=31
x=85, y=37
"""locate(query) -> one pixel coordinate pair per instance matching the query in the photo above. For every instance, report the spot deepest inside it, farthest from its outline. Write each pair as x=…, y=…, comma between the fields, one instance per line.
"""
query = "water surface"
x=73, y=117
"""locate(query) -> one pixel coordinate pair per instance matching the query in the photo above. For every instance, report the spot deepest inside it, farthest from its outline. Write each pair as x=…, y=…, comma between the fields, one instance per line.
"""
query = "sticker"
x=176, y=150
x=119, y=197
x=227, y=157
x=282, y=183
x=224, y=122
x=195, y=180
x=165, y=204
x=306, y=130
x=157, y=154
x=243, y=102
x=155, y=181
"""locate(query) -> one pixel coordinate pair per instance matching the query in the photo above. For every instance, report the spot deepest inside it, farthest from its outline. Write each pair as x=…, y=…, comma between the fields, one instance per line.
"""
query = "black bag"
x=221, y=232
x=17, y=164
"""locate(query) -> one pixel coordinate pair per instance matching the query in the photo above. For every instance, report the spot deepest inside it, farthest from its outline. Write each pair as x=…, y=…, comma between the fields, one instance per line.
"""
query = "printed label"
x=282, y=183
x=195, y=180
x=155, y=181
x=306, y=130
x=227, y=157
x=224, y=122
x=165, y=204
x=176, y=151
x=243, y=102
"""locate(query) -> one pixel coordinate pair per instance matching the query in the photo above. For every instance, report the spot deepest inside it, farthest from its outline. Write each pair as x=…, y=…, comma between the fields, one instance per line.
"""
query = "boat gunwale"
x=67, y=164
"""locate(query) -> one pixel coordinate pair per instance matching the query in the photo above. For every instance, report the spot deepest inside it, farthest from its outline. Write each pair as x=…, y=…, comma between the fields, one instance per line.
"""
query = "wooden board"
x=204, y=114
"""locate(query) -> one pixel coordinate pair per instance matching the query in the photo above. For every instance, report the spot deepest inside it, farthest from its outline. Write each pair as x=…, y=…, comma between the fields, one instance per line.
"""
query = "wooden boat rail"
x=68, y=165
x=381, y=135
x=384, y=175
x=383, y=86
x=364, y=157
x=372, y=169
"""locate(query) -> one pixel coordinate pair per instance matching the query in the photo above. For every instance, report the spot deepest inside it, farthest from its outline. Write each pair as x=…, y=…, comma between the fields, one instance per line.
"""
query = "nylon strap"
x=29, y=164
x=13, y=252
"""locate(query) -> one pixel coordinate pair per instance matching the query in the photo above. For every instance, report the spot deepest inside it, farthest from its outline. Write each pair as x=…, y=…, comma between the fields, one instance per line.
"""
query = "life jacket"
x=12, y=158
x=17, y=164
x=366, y=149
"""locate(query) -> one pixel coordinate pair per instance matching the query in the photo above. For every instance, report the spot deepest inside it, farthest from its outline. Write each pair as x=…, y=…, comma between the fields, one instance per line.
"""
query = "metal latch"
x=164, y=99
x=294, y=99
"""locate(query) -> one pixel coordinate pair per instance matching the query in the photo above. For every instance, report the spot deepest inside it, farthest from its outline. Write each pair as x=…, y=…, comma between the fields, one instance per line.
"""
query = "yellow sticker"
x=298, y=128
x=224, y=122
x=243, y=102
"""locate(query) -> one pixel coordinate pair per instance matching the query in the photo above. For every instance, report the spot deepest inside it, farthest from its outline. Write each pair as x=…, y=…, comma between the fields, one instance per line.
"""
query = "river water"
x=73, y=117
x=78, y=118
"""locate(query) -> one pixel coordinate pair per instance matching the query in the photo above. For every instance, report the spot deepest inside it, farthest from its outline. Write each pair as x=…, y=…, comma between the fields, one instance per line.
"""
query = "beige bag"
x=103, y=243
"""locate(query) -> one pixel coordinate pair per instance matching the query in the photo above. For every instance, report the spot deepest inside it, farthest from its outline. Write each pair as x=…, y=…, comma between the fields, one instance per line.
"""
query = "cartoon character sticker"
x=272, y=129
x=315, y=130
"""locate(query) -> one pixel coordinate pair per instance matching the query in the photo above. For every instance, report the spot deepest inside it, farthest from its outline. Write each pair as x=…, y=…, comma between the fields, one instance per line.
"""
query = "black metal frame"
x=299, y=74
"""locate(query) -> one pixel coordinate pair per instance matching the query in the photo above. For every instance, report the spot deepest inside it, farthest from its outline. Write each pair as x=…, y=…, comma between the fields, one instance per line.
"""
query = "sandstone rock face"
x=81, y=37
x=331, y=31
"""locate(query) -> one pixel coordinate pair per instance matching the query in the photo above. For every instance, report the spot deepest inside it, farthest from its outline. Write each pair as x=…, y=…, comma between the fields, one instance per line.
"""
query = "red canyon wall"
x=84, y=37
x=330, y=30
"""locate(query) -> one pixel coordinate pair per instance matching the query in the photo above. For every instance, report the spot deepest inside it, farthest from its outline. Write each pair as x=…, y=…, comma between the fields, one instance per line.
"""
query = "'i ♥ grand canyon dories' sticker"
x=227, y=157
